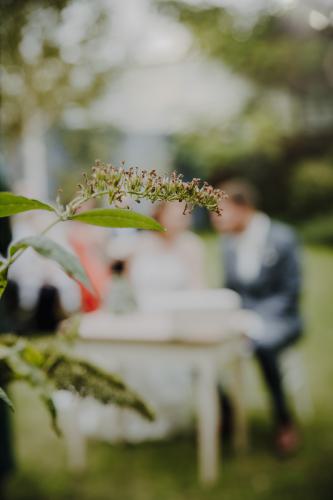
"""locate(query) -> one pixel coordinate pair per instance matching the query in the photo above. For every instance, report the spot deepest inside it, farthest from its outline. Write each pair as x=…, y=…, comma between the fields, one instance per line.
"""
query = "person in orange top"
x=89, y=243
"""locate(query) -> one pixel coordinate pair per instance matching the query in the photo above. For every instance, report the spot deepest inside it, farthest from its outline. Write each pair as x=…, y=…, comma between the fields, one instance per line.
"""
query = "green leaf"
x=51, y=250
x=118, y=217
x=3, y=281
x=33, y=356
x=46, y=398
x=4, y=397
x=11, y=204
x=85, y=380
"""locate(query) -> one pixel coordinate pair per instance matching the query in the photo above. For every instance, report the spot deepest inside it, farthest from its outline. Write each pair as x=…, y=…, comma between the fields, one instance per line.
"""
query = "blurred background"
x=211, y=89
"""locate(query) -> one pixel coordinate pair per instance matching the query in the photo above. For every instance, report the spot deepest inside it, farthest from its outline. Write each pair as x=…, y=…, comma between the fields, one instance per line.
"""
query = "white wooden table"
x=113, y=341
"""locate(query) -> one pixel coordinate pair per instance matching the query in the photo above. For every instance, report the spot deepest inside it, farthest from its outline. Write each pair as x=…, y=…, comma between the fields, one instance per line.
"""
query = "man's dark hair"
x=241, y=192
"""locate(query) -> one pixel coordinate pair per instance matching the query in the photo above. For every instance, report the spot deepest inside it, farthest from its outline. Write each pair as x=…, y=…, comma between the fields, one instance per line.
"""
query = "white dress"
x=159, y=265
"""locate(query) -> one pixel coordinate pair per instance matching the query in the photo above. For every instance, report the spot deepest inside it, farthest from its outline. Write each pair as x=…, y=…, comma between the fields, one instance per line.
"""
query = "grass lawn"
x=167, y=471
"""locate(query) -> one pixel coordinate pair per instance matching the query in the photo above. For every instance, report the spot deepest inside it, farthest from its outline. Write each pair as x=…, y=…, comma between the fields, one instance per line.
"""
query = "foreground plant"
x=49, y=369
x=118, y=183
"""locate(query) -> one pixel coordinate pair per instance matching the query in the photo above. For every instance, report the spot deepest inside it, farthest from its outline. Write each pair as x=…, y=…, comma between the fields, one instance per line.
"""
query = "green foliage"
x=268, y=51
x=86, y=380
x=117, y=217
x=312, y=187
x=43, y=79
x=4, y=397
x=318, y=230
x=11, y=204
x=49, y=368
x=3, y=280
x=294, y=177
x=287, y=120
x=52, y=250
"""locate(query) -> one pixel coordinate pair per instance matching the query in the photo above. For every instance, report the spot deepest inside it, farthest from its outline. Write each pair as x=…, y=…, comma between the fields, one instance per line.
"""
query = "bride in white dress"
x=170, y=260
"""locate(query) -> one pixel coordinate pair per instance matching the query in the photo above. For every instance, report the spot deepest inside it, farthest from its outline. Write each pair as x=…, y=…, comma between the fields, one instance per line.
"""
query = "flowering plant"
x=48, y=367
x=118, y=184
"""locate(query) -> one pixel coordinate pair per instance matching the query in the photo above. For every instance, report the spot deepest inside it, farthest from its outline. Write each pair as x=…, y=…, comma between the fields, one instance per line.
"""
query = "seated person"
x=88, y=243
x=170, y=260
x=261, y=264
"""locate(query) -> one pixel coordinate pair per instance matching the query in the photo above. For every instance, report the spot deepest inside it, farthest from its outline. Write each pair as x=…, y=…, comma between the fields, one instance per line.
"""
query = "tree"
x=290, y=66
x=269, y=49
x=50, y=64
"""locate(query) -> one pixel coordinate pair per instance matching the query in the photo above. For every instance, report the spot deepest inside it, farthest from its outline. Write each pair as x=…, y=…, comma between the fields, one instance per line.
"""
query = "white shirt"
x=250, y=247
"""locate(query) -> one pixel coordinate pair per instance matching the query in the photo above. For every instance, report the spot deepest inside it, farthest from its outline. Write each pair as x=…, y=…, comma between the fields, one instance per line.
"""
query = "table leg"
x=208, y=414
x=74, y=439
x=238, y=403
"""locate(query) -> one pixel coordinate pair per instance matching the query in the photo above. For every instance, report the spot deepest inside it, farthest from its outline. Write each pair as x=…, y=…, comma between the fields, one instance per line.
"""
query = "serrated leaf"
x=52, y=250
x=86, y=380
x=11, y=204
x=118, y=217
x=4, y=397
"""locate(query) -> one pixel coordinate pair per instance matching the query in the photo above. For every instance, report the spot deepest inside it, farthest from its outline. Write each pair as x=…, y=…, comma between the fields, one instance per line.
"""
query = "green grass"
x=167, y=471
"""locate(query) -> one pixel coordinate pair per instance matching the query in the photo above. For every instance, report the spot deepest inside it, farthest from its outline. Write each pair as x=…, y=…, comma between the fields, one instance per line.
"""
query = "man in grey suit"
x=261, y=263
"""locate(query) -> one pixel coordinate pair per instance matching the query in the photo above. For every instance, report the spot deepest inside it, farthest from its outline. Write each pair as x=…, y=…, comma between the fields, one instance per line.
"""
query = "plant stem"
x=76, y=203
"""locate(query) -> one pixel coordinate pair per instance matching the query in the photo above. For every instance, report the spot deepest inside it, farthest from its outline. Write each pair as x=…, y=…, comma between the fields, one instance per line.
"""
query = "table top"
x=190, y=328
